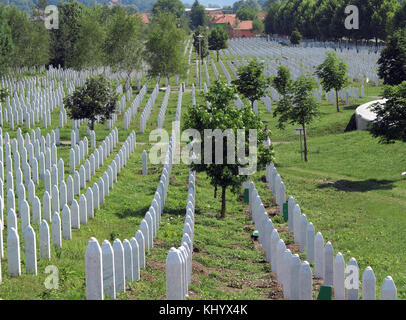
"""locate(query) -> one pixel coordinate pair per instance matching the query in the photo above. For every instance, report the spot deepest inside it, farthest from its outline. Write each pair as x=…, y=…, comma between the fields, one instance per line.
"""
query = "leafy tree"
x=64, y=38
x=257, y=26
x=198, y=16
x=164, y=46
x=295, y=37
x=282, y=81
x=390, y=123
x=392, y=62
x=251, y=81
x=399, y=19
x=218, y=40
x=221, y=114
x=333, y=74
x=200, y=44
x=88, y=49
x=175, y=7
x=42, y=4
x=124, y=44
x=131, y=9
x=3, y=94
x=298, y=107
x=251, y=4
x=6, y=45
x=95, y=100
x=246, y=14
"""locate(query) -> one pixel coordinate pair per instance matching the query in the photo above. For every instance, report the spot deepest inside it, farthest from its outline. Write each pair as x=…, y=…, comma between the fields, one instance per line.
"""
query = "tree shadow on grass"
x=129, y=212
x=353, y=107
x=358, y=186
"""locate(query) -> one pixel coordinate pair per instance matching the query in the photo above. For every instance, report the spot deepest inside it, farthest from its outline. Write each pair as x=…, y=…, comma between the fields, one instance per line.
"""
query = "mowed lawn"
x=351, y=189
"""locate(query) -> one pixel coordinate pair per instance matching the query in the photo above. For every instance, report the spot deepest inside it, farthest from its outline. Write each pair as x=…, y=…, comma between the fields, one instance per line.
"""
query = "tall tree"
x=175, y=7
x=164, y=46
x=124, y=44
x=220, y=113
x=282, y=81
x=257, y=26
x=198, y=16
x=390, y=123
x=6, y=44
x=218, y=40
x=392, y=62
x=298, y=107
x=251, y=81
x=244, y=14
x=64, y=38
x=333, y=74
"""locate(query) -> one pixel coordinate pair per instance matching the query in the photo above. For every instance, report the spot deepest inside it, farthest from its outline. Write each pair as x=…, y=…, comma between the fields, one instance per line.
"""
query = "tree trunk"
x=217, y=55
x=91, y=124
x=223, y=202
x=215, y=192
x=305, y=142
x=338, y=109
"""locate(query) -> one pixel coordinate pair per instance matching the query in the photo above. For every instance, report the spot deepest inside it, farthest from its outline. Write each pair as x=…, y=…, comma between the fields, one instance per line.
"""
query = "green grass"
x=350, y=189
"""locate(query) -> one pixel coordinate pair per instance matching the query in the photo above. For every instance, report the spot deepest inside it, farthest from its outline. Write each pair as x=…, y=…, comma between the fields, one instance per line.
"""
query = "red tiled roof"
x=225, y=18
x=144, y=17
x=244, y=25
x=261, y=15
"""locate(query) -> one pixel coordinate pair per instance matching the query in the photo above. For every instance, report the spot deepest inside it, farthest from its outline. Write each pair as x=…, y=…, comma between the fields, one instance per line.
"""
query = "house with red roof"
x=234, y=27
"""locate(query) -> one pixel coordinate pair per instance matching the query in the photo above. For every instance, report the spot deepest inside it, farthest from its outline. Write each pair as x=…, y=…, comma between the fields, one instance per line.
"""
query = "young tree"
x=333, y=74
x=198, y=16
x=218, y=40
x=6, y=46
x=124, y=45
x=282, y=81
x=64, y=38
x=221, y=114
x=246, y=14
x=251, y=81
x=88, y=49
x=390, y=123
x=257, y=26
x=3, y=94
x=392, y=62
x=295, y=37
x=175, y=7
x=298, y=107
x=164, y=46
x=95, y=100
x=200, y=42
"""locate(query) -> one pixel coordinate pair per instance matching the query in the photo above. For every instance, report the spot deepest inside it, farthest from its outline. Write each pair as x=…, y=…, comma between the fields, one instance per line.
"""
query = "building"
x=234, y=27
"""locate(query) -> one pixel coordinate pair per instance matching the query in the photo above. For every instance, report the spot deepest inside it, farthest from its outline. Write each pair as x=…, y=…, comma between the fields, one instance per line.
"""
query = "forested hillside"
x=26, y=5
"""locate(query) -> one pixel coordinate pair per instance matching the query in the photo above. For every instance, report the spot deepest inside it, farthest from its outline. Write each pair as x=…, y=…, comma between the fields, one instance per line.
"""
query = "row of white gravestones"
x=150, y=224
x=108, y=268
x=60, y=227
x=207, y=73
x=193, y=95
x=132, y=110
x=179, y=104
x=213, y=65
x=77, y=154
x=164, y=105
x=332, y=270
x=225, y=71
x=148, y=108
x=179, y=261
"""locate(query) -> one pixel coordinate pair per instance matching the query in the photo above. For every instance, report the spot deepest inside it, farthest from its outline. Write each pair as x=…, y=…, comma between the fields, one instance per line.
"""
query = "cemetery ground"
x=351, y=189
